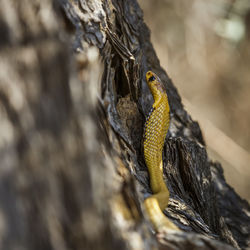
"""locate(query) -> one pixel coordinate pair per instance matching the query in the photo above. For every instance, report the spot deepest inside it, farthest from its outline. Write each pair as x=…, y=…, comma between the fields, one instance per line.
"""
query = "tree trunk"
x=73, y=101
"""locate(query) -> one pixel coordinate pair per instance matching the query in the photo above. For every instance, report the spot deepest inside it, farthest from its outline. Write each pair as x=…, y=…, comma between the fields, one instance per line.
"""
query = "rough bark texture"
x=73, y=100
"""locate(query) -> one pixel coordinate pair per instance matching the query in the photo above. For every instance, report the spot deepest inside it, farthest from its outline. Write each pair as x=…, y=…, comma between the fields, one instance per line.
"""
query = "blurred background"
x=205, y=48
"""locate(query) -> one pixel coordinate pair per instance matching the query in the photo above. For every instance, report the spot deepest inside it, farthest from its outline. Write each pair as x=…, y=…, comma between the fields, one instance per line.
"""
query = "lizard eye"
x=151, y=79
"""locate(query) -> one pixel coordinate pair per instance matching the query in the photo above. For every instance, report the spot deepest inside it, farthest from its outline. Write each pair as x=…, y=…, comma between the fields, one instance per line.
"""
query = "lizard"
x=155, y=131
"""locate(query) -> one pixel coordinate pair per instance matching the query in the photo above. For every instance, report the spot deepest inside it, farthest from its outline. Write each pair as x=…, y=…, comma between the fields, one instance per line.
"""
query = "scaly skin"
x=156, y=129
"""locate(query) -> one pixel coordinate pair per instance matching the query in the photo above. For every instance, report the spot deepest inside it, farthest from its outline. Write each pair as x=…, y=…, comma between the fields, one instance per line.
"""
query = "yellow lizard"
x=156, y=129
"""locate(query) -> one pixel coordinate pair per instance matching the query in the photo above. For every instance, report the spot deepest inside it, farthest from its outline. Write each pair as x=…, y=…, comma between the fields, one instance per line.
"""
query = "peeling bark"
x=73, y=101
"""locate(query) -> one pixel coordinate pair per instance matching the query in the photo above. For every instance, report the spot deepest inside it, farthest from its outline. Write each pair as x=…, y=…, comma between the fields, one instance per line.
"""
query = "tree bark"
x=73, y=101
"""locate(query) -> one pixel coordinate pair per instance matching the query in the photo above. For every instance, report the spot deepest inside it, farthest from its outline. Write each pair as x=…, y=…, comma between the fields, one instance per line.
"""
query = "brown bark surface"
x=73, y=100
